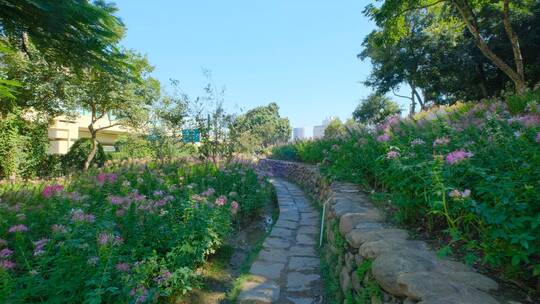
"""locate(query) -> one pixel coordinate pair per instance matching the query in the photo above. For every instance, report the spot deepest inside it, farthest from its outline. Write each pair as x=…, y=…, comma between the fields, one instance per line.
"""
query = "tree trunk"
x=92, y=154
x=512, y=36
x=468, y=17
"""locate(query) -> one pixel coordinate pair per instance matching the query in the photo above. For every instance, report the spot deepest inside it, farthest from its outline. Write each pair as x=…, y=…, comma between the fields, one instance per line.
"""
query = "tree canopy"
x=453, y=49
x=375, y=109
x=262, y=126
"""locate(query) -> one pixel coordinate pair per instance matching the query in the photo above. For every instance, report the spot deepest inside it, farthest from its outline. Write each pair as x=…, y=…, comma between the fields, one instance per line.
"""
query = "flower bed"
x=469, y=171
x=132, y=234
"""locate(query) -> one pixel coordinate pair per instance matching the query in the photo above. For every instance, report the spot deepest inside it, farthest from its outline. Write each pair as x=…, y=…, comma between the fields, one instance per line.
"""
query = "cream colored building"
x=65, y=131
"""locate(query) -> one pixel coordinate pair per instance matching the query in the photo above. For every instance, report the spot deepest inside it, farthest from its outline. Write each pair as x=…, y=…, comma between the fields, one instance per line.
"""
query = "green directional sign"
x=191, y=135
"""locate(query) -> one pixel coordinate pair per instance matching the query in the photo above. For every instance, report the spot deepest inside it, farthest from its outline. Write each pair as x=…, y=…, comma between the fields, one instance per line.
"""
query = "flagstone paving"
x=287, y=269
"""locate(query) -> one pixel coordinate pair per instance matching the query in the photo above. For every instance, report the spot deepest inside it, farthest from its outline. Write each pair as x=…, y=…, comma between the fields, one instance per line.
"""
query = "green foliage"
x=468, y=171
x=375, y=109
x=519, y=103
x=78, y=152
x=128, y=234
x=335, y=129
x=88, y=29
x=262, y=126
x=23, y=146
x=133, y=147
x=425, y=45
x=285, y=152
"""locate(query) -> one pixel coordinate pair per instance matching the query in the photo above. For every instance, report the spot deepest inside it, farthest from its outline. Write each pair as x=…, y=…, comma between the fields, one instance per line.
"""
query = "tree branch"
x=516, y=49
x=107, y=127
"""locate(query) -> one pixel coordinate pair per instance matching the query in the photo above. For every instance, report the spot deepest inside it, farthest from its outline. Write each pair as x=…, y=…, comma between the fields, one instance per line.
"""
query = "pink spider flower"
x=392, y=154
x=50, y=190
x=234, y=207
x=18, y=228
x=7, y=265
x=5, y=253
x=383, y=138
x=220, y=201
x=122, y=267
x=457, y=156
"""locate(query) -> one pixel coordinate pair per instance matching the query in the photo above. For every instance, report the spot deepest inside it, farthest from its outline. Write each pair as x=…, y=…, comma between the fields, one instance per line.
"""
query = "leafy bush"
x=133, y=147
x=79, y=151
x=128, y=234
x=470, y=171
x=285, y=152
x=23, y=146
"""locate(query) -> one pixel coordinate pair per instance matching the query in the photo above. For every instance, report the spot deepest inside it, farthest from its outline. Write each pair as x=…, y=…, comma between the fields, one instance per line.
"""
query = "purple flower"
x=220, y=201
x=5, y=253
x=209, y=192
x=102, y=178
x=7, y=264
x=51, y=190
x=383, y=138
x=460, y=194
x=457, y=156
x=40, y=245
x=122, y=267
x=417, y=142
x=538, y=137
x=79, y=216
x=116, y=200
x=18, y=228
x=441, y=141
x=392, y=154
x=58, y=228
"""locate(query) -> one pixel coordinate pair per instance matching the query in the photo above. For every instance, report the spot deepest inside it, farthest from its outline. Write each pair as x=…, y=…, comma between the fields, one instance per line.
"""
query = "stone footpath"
x=364, y=252
x=287, y=269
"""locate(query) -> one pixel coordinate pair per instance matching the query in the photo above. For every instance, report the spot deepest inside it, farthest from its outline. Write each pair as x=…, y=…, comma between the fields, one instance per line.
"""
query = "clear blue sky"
x=300, y=54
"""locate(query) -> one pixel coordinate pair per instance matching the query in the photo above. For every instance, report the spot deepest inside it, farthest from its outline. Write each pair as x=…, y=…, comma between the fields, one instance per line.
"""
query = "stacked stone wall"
x=373, y=262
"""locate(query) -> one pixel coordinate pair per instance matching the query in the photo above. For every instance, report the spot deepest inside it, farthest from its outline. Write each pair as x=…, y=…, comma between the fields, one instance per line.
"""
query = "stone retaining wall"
x=373, y=262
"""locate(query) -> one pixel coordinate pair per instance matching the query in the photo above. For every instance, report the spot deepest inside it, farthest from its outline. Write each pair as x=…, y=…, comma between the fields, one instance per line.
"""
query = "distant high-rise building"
x=299, y=133
x=318, y=131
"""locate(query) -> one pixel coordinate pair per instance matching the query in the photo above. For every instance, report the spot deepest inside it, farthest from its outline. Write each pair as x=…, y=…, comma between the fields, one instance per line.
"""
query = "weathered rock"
x=387, y=267
x=308, y=251
x=357, y=237
x=305, y=239
x=344, y=206
x=271, y=270
x=345, y=280
x=258, y=290
x=274, y=255
x=356, y=283
x=297, y=281
x=429, y=287
x=348, y=221
x=272, y=242
x=303, y=263
x=373, y=249
x=281, y=232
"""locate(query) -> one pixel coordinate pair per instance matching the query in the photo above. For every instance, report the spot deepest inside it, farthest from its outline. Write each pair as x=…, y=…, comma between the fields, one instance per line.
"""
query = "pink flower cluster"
x=537, y=137
x=82, y=217
x=209, y=192
x=383, y=138
x=40, y=246
x=18, y=228
x=457, y=156
x=51, y=190
x=417, y=142
x=460, y=194
x=441, y=141
x=122, y=267
x=234, y=207
x=103, y=178
x=105, y=238
x=220, y=201
x=4, y=255
x=392, y=154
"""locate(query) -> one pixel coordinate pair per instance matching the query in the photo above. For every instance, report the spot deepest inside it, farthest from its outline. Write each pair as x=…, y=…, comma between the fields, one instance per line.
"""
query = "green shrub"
x=78, y=153
x=133, y=146
x=124, y=234
x=469, y=171
x=23, y=146
x=285, y=152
